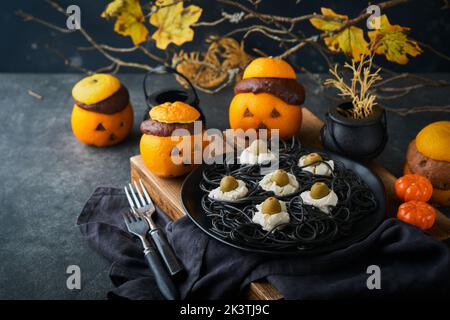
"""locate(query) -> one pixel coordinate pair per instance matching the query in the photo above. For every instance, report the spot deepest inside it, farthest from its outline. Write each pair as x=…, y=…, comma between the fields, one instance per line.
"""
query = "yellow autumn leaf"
x=129, y=19
x=393, y=42
x=173, y=22
x=350, y=41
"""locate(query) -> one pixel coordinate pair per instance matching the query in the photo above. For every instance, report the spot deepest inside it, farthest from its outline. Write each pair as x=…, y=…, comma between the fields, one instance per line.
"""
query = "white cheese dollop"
x=267, y=184
x=318, y=168
x=238, y=193
x=270, y=221
x=324, y=204
x=248, y=157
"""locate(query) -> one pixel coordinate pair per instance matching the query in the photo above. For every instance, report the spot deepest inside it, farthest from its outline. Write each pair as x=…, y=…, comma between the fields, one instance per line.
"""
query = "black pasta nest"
x=309, y=227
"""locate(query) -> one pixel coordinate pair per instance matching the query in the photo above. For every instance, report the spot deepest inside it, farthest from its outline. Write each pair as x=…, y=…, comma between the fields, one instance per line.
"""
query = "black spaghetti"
x=309, y=227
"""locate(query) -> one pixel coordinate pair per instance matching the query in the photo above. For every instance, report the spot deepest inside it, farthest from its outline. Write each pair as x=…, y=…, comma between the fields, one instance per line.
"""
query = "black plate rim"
x=381, y=212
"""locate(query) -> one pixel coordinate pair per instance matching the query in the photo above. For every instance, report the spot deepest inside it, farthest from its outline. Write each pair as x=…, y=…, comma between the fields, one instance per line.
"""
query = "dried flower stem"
x=358, y=91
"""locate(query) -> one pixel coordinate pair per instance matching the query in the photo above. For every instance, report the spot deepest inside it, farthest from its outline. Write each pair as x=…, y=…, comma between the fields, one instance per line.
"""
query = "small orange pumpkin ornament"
x=268, y=97
x=102, y=114
x=413, y=187
x=159, y=144
x=418, y=213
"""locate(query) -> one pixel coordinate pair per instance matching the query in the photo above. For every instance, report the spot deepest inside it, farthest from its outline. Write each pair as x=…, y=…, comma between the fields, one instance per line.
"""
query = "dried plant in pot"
x=356, y=127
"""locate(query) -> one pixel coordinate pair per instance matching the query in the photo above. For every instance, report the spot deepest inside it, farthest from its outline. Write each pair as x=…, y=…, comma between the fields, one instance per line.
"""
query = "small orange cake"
x=429, y=156
x=268, y=97
x=102, y=114
x=160, y=142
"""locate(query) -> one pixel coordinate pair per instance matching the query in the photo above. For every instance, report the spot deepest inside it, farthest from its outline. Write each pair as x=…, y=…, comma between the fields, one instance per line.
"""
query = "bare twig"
x=100, y=47
x=435, y=51
x=408, y=111
x=35, y=95
x=66, y=60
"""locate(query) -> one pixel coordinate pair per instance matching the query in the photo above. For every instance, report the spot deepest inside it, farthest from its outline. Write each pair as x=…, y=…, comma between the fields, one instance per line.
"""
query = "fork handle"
x=166, y=251
x=163, y=280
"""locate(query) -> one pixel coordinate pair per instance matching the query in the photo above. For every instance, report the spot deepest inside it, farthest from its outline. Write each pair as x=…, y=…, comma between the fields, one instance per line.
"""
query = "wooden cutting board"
x=166, y=194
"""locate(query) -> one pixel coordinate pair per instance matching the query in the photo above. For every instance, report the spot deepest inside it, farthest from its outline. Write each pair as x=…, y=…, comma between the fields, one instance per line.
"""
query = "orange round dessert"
x=102, y=114
x=429, y=155
x=170, y=144
x=268, y=97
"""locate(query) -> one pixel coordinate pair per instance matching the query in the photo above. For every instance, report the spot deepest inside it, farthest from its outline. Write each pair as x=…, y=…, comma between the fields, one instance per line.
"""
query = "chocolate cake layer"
x=288, y=90
x=163, y=129
x=438, y=172
x=115, y=103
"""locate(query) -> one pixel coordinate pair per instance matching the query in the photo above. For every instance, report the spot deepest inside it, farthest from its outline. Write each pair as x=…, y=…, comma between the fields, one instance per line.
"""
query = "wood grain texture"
x=166, y=194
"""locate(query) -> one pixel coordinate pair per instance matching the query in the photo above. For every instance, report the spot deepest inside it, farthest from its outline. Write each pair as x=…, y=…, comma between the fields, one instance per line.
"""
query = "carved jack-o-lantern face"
x=101, y=129
x=264, y=111
x=268, y=97
x=102, y=114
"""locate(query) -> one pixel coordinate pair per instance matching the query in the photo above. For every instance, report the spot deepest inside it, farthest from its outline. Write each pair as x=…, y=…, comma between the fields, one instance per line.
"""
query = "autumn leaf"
x=129, y=19
x=211, y=69
x=350, y=41
x=393, y=42
x=173, y=22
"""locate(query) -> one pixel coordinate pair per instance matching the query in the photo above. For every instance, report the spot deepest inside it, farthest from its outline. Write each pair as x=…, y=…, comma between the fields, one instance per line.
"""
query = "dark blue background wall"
x=24, y=45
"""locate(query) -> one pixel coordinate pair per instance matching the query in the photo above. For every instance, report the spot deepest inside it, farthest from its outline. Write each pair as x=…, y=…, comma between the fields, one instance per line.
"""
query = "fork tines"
x=142, y=200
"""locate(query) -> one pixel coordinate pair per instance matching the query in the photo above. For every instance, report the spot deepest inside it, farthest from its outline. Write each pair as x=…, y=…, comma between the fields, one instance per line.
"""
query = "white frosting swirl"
x=270, y=221
x=319, y=168
x=324, y=204
x=238, y=193
x=267, y=184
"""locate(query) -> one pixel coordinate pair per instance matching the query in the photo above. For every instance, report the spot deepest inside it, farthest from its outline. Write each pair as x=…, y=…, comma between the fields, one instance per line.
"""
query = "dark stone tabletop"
x=46, y=175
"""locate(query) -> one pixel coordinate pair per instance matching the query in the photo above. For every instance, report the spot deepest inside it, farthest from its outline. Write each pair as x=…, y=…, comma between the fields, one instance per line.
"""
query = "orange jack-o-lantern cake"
x=160, y=141
x=268, y=97
x=102, y=114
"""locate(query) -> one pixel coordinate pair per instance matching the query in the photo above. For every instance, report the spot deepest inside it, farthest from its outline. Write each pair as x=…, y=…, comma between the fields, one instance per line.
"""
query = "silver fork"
x=139, y=227
x=142, y=205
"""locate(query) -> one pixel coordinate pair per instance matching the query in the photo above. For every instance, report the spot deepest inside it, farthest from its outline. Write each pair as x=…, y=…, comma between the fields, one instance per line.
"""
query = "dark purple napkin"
x=411, y=263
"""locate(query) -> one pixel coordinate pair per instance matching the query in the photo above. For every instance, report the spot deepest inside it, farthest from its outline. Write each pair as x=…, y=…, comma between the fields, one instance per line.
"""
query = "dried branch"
x=408, y=111
x=348, y=23
x=277, y=28
x=99, y=47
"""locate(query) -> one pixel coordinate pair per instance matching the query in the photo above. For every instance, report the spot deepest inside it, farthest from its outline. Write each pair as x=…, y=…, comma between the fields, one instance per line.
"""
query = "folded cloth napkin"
x=411, y=263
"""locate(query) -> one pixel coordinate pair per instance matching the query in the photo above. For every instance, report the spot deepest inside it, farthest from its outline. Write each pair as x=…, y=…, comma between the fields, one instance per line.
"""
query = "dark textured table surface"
x=46, y=175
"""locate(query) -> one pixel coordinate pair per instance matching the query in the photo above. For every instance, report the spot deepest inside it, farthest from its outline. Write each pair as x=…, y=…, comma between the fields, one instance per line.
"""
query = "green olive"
x=228, y=183
x=319, y=190
x=312, y=158
x=271, y=206
x=257, y=147
x=280, y=177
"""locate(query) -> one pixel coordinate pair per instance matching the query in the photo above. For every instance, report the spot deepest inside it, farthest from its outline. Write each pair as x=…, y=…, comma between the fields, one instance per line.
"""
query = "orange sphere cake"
x=102, y=114
x=268, y=97
x=429, y=155
x=159, y=144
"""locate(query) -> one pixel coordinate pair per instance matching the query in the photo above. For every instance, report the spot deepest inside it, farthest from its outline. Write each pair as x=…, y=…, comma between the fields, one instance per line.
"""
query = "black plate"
x=191, y=199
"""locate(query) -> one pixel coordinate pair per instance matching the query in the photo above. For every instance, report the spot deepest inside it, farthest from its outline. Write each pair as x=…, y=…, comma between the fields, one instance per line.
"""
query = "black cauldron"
x=155, y=98
x=360, y=139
